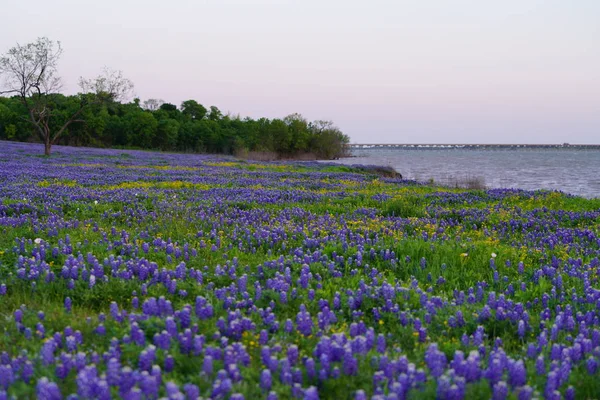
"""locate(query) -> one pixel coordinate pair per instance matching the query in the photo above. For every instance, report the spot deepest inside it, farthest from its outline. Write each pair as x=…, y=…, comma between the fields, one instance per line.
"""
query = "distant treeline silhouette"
x=191, y=127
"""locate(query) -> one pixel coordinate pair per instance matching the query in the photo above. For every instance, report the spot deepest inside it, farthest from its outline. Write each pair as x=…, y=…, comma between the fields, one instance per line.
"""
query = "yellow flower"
x=380, y=322
x=464, y=254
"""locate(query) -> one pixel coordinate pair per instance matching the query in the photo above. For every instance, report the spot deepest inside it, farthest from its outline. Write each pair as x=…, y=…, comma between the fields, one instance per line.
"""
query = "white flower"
x=96, y=202
x=37, y=241
x=493, y=255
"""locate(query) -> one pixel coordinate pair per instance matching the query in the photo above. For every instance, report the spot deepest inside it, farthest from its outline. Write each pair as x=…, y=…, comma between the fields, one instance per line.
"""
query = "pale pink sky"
x=420, y=71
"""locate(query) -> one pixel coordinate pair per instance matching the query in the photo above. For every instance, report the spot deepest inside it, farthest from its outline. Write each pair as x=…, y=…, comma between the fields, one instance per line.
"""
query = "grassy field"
x=134, y=275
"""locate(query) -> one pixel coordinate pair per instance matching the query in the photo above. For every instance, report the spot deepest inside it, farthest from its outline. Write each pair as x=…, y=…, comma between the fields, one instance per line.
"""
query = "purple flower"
x=540, y=365
x=86, y=381
x=360, y=395
x=500, y=391
x=265, y=380
x=381, y=345
x=495, y=370
x=192, y=392
x=591, y=365
x=113, y=371
x=6, y=376
x=521, y=329
x=570, y=393
x=292, y=354
x=71, y=344
x=146, y=358
x=264, y=337
x=27, y=371
x=68, y=304
x=114, y=312
x=47, y=352
x=46, y=390
x=525, y=393
x=350, y=364
x=148, y=385
x=311, y=393
x=169, y=363
x=18, y=316
x=221, y=387
x=100, y=330
x=304, y=321
x=517, y=374
x=435, y=360
x=207, y=365
x=288, y=326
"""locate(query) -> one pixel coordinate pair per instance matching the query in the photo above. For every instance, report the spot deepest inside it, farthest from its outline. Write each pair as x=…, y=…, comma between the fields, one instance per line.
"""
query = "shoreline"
x=473, y=169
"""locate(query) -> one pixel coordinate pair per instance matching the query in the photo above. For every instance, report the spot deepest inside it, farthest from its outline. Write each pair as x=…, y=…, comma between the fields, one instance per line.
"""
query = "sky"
x=396, y=71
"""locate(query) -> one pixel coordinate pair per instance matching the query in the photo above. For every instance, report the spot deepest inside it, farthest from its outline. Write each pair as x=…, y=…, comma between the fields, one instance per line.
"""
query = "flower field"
x=141, y=275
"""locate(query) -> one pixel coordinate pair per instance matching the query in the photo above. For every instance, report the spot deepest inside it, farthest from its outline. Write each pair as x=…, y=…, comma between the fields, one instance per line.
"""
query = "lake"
x=571, y=170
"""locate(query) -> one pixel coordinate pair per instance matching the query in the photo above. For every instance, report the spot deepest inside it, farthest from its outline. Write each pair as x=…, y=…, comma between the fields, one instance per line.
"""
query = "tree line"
x=33, y=109
x=189, y=128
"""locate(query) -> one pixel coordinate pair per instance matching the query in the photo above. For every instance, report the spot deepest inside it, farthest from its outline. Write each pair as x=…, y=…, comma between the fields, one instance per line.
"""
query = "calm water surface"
x=575, y=171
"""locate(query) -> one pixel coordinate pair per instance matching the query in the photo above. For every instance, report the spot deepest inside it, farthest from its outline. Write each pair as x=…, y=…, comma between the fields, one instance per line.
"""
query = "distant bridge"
x=417, y=146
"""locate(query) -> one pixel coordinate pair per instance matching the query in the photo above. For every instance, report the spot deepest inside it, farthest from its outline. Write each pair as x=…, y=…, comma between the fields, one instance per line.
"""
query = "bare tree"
x=152, y=104
x=30, y=72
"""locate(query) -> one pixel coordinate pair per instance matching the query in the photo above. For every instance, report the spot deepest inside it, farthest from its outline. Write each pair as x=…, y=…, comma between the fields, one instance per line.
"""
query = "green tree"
x=167, y=131
x=193, y=110
x=141, y=129
x=190, y=136
x=300, y=134
x=171, y=110
x=215, y=114
x=328, y=141
x=281, y=137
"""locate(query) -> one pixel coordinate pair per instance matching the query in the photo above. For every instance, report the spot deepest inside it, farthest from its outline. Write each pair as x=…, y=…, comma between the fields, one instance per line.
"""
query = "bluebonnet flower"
x=265, y=380
x=46, y=390
x=47, y=352
x=521, y=329
x=517, y=374
x=311, y=393
x=350, y=364
x=435, y=360
x=500, y=391
x=191, y=391
x=169, y=363
x=360, y=395
x=6, y=376
x=207, y=365
x=68, y=304
x=525, y=393
x=18, y=316
x=292, y=354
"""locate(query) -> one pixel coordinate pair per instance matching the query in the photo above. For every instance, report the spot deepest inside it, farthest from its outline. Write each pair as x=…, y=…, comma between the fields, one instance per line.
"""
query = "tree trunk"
x=47, y=147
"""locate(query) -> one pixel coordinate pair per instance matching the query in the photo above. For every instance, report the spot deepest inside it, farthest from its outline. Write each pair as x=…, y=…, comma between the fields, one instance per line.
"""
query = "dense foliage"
x=133, y=275
x=189, y=128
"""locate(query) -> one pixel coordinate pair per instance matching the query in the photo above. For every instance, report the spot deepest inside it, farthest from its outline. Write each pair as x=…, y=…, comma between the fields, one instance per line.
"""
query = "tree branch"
x=66, y=125
x=9, y=91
